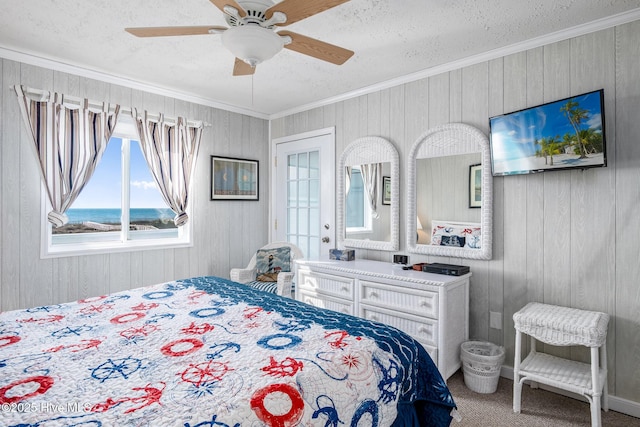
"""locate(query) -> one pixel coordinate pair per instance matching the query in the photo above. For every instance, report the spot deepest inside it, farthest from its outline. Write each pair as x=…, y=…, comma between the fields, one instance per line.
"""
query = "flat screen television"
x=559, y=135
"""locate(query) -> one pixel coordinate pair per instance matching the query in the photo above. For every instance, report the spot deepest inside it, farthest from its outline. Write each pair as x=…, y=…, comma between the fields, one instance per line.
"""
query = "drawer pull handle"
x=374, y=318
x=424, y=303
x=344, y=289
x=423, y=330
x=373, y=295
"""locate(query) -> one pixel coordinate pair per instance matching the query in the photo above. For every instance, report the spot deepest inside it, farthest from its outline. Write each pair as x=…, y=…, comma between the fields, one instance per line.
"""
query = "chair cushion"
x=271, y=287
x=270, y=262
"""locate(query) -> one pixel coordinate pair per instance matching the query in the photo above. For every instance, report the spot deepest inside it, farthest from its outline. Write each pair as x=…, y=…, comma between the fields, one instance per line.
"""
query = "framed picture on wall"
x=234, y=179
x=475, y=186
x=386, y=190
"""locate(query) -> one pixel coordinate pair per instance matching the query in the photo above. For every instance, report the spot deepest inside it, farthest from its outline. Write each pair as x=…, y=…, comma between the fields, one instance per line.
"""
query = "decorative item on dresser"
x=433, y=308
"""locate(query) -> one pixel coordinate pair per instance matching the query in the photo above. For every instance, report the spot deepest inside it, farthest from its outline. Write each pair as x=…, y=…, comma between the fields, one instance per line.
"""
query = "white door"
x=303, y=210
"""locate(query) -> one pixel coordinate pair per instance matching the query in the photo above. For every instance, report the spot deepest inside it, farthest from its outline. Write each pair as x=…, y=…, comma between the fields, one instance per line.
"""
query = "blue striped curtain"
x=347, y=180
x=170, y=150
x=371, y=176
x=69, y=140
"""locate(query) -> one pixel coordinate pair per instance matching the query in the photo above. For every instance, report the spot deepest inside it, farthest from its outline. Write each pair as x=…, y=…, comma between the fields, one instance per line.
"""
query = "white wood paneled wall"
x=567, y=237
x=226, y=235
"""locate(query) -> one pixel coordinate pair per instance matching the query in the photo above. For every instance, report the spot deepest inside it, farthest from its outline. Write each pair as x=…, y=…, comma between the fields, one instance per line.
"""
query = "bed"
x=205, y=352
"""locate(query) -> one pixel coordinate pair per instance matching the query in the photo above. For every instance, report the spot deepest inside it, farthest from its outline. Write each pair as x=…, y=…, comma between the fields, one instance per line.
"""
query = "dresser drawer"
x=405, y=300
x=432, y=351
x=326, y=284
x=335, y=304
x=431, y=308
x=423, y=330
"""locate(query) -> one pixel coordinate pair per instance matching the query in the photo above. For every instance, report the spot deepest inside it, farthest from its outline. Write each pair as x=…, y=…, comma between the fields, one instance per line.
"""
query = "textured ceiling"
x=391, y=39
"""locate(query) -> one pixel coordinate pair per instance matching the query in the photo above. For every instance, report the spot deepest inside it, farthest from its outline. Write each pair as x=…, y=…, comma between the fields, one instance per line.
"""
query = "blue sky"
x=103, y=190
x=513, y=135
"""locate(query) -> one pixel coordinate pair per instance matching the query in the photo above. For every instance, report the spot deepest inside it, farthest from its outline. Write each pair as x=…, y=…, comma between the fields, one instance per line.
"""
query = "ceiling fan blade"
x=173, y=31
x=241, y=68
x=297, y=10
x=316, y=48
x=220, y=4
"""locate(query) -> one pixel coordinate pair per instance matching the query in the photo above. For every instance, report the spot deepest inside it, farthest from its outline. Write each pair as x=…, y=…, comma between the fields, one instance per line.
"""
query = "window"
x=358, y=210
x=120, y=208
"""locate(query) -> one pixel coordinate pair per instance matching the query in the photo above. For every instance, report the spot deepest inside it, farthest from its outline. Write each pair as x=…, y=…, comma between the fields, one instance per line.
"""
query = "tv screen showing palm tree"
x=564, y=134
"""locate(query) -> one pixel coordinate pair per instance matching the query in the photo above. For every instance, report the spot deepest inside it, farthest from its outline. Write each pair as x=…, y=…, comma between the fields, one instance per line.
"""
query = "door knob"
x=325, y=239
x=326, y=226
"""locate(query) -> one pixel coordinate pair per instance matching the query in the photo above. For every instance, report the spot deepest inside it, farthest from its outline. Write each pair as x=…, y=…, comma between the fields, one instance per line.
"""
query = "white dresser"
x=432, y=308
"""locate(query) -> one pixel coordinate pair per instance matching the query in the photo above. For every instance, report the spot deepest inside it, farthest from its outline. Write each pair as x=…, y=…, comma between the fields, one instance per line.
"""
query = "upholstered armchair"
x=270, y=269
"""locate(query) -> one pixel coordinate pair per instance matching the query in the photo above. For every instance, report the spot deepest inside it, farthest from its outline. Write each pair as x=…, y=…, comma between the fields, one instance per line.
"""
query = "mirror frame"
x=450, y=140
x=370, y=149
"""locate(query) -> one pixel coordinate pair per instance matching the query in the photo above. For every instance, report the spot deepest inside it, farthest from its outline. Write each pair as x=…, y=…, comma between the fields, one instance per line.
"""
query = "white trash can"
x=481, y=363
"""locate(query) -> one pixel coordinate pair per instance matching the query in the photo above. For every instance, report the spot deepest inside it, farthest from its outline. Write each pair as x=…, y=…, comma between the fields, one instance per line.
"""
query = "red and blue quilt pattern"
x=208, y=352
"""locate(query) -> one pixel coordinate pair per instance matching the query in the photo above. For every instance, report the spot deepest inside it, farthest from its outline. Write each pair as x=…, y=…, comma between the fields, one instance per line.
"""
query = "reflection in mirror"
x=447, y=195
x=449, y=177
x=367, y=217
x=367, y=199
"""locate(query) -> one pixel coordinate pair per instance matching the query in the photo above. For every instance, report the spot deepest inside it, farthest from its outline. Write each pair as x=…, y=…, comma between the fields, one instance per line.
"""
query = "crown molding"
x=122, y=81
x=579, y=30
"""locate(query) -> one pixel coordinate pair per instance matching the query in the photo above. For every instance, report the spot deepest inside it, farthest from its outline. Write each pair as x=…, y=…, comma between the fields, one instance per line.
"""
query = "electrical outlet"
x=401, y=259
x=495, y=320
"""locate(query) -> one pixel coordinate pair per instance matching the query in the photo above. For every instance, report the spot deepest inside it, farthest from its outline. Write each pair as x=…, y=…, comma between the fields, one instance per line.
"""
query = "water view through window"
x=99, y=206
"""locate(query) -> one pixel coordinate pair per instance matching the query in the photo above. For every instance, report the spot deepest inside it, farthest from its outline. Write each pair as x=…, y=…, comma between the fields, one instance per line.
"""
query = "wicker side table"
x=563, y=326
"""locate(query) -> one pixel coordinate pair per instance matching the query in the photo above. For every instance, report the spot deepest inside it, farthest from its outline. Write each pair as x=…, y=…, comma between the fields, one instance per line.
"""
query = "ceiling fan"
x=253, y=36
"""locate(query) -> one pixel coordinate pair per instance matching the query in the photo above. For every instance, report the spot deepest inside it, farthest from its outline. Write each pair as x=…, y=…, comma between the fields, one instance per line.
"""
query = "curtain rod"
x=74, y=100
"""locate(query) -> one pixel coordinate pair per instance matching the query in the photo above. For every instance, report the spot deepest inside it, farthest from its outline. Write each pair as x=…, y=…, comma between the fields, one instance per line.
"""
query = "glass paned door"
x=304, y=194
x=303, y=210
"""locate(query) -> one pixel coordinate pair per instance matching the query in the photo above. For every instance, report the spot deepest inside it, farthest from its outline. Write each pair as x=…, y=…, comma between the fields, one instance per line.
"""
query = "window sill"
x=142, y=242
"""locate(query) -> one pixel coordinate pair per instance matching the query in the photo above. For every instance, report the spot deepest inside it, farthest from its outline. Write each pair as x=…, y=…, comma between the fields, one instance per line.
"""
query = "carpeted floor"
x=539, y=408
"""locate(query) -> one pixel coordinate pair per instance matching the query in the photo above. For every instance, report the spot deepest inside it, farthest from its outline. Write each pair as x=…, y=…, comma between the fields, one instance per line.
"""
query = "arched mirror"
x=368, y=199
x=450, y=193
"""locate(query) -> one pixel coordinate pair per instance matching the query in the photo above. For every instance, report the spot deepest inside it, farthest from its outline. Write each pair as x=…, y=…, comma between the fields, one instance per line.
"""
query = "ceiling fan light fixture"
x=252, y=43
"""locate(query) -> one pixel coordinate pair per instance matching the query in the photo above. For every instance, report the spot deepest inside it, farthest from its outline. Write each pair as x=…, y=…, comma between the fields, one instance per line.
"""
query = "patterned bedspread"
x=208, y=352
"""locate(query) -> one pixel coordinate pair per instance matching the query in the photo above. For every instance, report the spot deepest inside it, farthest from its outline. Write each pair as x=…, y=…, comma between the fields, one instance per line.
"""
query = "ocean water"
x=112, y=216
